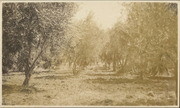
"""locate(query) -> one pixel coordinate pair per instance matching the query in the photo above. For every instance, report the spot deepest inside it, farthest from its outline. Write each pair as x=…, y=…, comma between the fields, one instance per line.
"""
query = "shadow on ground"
x=121, y=80
x=102, y=75
x=9, y=89
x=53, y=77
x=112, y=80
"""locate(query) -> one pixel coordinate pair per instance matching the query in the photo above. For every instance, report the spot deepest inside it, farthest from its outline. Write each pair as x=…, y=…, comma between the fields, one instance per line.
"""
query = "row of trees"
x=146, y=43
x=84, y=45
x=43, y=35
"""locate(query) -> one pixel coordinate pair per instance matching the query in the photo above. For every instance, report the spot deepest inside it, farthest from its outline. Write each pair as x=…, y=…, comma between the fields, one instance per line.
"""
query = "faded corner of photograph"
x=90, y=53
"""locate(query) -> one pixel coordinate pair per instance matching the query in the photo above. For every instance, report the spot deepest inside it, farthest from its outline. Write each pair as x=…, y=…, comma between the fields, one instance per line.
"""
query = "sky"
x=106, y=14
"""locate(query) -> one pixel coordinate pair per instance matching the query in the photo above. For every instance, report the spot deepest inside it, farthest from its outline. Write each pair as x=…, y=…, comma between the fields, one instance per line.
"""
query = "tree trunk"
x=109, y=65
x=114, y=66
x=114, y=63
x=106, y=66
x=70, y=63
x=27, y=78
x=141, y=75
x=74, y=69
x=4, y=70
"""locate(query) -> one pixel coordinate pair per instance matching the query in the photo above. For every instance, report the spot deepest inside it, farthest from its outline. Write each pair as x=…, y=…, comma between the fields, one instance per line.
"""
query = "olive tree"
x=84, y=38
x=30, y=29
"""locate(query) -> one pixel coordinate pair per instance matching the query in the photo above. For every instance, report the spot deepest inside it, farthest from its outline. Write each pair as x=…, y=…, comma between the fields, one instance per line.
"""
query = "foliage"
x=44, y=32
x=84, y=44
x=29, y=29
x=140, y=45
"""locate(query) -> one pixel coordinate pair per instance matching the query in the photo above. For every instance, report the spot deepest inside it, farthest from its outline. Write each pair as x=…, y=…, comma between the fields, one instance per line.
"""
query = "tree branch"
x=31, y=67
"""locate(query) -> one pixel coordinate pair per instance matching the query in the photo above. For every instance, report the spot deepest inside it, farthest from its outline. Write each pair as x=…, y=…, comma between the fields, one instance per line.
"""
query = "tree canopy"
x=29, y=29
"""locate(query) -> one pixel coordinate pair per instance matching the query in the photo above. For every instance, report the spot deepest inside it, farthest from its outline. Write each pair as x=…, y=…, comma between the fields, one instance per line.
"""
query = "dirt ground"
x=89, y=88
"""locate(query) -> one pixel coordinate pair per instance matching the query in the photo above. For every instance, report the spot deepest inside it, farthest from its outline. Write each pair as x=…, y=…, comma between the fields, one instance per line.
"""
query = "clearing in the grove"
x=93, y=86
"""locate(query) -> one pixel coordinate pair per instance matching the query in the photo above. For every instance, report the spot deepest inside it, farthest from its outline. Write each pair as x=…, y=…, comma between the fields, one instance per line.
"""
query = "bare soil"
x=89, y=88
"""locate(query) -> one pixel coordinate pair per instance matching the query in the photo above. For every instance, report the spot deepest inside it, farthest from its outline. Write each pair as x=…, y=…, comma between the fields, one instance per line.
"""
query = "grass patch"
x=134, y=102
x=53, y=77
x=162, y=78
x=9, y=89
x=146, y=102
x=105, y=102
x=119, y=81
x=101, y=74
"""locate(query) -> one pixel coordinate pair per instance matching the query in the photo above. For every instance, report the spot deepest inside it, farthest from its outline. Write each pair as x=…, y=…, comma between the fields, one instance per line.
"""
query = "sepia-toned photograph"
x=89, y=53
